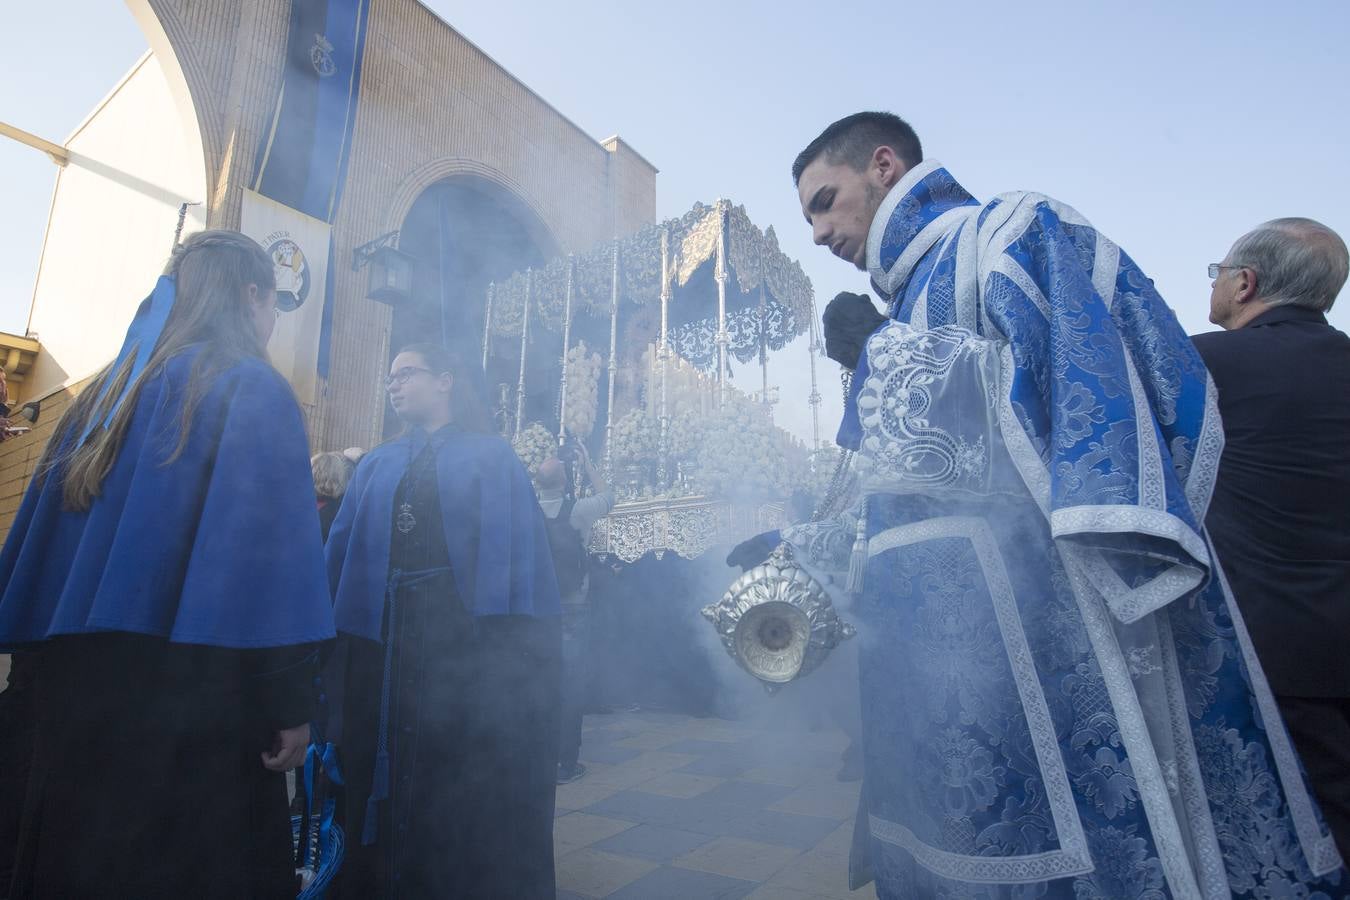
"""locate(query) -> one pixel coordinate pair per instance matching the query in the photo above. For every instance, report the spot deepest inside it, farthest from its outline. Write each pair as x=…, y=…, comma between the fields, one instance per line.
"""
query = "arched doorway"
x=463, y=233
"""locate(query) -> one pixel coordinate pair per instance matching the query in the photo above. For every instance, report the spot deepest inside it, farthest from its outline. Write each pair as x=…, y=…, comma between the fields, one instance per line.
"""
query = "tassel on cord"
x=857, y=561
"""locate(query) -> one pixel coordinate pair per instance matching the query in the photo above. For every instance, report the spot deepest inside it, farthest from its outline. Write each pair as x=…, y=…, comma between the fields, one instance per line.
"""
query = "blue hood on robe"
x=494, y=531
x=219, y=547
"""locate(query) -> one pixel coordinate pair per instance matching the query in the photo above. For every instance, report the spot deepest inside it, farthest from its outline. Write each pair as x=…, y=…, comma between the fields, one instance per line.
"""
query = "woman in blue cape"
x=448, y=612
x=165, y=577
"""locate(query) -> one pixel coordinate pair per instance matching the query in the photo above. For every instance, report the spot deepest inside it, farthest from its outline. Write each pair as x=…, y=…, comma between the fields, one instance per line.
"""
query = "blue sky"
x=1173, y=127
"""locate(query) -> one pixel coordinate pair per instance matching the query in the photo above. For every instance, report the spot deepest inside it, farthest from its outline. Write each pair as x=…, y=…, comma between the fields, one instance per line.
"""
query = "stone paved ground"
x=679, y=808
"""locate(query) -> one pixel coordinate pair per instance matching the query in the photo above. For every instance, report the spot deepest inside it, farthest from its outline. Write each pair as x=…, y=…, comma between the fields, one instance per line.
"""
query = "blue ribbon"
x=324, y=759
x=146, y=327
x=310, y=755
x=379, y=783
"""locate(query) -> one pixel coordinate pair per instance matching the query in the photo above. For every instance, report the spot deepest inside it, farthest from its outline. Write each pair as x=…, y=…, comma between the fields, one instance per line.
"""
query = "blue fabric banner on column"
x=305, y=150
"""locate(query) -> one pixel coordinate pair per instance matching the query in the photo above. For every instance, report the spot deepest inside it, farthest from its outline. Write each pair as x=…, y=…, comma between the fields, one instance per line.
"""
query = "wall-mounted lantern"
x=389, y=269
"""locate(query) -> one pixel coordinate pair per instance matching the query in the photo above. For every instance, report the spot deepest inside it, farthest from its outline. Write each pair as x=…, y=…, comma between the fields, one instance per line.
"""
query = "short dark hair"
x=853, y=139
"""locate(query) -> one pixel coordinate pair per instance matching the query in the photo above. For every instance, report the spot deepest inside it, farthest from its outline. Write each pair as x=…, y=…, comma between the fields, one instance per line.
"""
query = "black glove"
x=849, y=321
x=748, y=554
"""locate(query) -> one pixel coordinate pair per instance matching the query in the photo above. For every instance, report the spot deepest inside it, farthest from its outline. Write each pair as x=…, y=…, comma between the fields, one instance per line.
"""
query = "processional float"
x=695, y=462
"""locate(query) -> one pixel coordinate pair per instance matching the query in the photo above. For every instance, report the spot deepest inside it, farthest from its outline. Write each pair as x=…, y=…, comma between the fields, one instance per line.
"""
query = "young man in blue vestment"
x=448, y=614
x=164, y=579
x=1059, y=697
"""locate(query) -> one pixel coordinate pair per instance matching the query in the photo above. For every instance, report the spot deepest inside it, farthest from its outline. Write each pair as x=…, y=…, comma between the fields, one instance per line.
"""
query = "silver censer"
x=776, y=621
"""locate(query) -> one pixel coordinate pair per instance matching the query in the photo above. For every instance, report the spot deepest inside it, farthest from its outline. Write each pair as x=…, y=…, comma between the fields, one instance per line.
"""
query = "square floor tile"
x=624, y=778
x=839, y=842
x=787, y=829
x=577, y=830
x=716, y=765
x=688, y=814
x=703, y=748
x=658, y=761
x=748, y=794
x=774, y=750
x=648, y=740
x=612, y=722
x=583, y=793
x=815, y=871
x=654, y=842
x=607, y=753
x=669, y=883
x=830, y=800
x=718, y=731
x=679, y=784
x=662, y=717
x=738, y=858
x=593, y=873
x=637, y=806
x=780, y=892
x=788, y=776
x=866, y=892
x=608, y=735
x=697, y=814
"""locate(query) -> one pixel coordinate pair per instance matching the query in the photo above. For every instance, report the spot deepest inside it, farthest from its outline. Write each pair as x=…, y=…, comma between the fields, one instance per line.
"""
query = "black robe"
x=146, y=777
x=173, y=628
x=472, y=733
x=16, y=751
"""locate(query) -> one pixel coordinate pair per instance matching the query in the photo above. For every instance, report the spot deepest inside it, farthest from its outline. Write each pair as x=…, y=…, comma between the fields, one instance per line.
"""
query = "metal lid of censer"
x=776, y=620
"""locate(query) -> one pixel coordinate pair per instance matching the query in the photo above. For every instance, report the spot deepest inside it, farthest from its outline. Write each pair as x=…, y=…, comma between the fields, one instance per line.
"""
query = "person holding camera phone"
x=569, y=520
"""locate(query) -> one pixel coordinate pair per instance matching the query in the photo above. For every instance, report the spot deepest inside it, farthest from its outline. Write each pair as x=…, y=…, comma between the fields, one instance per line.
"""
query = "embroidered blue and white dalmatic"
x=1059, y=696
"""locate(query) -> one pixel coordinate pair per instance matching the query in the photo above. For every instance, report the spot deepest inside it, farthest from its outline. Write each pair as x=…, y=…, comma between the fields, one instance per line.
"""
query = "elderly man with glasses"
x=1278, y=514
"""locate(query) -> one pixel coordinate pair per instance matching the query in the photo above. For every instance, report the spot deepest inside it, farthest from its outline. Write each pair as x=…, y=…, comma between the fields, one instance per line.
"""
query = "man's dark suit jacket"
x=1280, y=517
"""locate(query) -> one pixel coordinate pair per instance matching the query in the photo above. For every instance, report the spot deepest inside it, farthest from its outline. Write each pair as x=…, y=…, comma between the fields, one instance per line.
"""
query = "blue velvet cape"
x=221, y=546
x=494, y=531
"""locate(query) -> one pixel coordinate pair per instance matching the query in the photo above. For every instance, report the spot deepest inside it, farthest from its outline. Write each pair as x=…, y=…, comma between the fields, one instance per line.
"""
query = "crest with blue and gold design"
x=292, y=271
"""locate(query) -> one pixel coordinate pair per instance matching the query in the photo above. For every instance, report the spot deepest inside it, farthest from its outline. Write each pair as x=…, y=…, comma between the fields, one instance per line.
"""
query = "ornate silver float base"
x=688, y=526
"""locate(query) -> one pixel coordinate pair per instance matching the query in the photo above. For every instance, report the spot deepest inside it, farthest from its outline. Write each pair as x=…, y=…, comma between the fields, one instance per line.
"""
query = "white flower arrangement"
x=534, y=445
x=742, y=453
x=636, y=438
x=583, y=391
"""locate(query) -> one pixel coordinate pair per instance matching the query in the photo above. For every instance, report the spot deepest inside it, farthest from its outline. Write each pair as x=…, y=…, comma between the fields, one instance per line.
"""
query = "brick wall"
x=19, y=455
x=432, y=106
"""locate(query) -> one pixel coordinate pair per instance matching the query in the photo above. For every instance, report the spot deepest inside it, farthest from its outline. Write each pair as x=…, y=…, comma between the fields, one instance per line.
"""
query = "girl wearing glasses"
x=448, y=611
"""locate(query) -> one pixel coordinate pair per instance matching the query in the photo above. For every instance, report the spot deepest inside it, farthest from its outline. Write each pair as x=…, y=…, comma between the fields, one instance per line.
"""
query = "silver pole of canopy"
x=812, y=350
x=487, y=324
x=763, y=336
x=721, y=276
x=613, y=364
x=663, y=352
x=567, y=336
x=524, y=339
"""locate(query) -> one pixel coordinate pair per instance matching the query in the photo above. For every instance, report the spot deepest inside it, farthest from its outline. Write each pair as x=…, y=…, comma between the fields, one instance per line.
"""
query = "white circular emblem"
x=292, y=273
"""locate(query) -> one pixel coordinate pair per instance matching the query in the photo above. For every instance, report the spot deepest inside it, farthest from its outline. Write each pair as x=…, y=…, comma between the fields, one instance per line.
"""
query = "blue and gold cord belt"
x=379, y=787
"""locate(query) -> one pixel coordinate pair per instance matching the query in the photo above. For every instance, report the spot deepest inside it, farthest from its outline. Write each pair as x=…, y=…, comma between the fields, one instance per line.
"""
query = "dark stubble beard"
x=874, y=196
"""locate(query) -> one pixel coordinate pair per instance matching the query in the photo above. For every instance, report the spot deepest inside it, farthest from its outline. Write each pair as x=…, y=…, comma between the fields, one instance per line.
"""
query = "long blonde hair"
x=212, y=272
